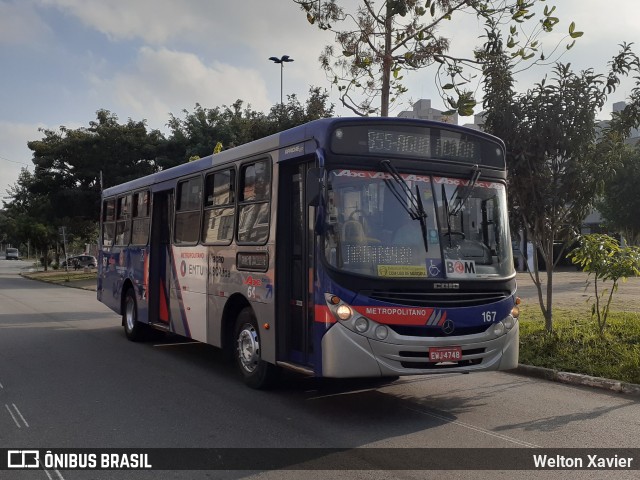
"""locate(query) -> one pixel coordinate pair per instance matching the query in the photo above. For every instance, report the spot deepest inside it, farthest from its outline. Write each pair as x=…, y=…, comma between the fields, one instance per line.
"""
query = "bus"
x=345, y=247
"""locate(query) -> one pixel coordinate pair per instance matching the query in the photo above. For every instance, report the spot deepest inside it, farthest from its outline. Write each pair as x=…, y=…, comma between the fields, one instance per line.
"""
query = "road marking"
x=12, y=416
x=15, y=419
x=175, y=344
x=1, y=385
x=49, y=475
x=20, y=414
x=473, y=427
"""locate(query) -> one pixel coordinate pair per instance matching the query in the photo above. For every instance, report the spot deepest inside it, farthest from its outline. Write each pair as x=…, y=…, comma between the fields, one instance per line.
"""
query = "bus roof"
x=302, y=135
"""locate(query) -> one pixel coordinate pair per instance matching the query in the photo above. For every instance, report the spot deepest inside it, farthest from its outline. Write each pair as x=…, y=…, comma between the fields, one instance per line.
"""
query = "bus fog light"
x=382, y=332
x=361, y=324
x=498, y=329
x=509, y=322
x=344, y=312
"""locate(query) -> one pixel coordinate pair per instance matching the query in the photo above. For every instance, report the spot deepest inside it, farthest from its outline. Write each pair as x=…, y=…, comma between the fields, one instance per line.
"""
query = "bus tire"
x=133, y=329
x=256, y=372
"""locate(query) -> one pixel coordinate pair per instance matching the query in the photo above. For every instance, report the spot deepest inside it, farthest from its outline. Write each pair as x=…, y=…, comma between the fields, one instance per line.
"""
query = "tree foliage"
x=556, y=167
x=71, y=165
x=604, y=258
x=199, y=131
x=377, y=43
x=620, y=202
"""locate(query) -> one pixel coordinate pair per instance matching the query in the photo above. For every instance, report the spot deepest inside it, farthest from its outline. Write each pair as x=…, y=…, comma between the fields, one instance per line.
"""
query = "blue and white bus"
x=346, y=247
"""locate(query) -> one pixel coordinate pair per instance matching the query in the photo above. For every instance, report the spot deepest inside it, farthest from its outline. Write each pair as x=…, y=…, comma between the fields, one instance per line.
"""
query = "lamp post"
x=282, y=60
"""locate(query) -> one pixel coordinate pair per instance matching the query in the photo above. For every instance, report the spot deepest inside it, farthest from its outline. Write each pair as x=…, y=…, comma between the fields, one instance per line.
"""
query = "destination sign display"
x=422, y=142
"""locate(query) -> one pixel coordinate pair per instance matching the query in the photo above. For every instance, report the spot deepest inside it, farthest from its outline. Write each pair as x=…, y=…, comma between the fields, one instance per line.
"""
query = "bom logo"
x=460, y=267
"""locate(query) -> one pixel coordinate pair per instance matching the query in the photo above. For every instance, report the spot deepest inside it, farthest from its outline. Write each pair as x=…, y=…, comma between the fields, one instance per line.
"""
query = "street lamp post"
x=282, y=60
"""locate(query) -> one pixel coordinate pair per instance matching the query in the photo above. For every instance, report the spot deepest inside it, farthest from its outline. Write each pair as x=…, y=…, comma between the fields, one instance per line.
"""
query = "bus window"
x=108, y=223
x=123, y=220
x=219, y=207
x=189, y=200
x=253, y=211
x=140, y=227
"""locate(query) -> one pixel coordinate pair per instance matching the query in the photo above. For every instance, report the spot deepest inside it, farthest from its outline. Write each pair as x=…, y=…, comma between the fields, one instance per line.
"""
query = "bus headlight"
x=498, y=329
x=344, y=312
x=509, y=322
x=361, y=324
x=381, y=332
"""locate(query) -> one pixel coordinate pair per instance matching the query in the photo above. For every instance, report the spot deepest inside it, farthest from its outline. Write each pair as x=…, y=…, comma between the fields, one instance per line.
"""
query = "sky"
x=62, y=60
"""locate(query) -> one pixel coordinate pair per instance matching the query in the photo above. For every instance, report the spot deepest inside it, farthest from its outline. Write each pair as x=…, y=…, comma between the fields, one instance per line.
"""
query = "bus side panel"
x=188, y=288
x=117, y=267
x=255, y=288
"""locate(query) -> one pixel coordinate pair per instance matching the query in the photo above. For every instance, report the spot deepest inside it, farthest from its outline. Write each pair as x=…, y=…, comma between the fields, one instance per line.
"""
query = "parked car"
x=12, y=254
x=80, y=261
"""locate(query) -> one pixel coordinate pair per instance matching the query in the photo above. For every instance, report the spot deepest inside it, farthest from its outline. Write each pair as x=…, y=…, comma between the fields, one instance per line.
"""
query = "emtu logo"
x=23, y=459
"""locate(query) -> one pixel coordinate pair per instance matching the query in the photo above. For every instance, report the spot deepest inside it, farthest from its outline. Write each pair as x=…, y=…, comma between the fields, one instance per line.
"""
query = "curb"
x=578, y=379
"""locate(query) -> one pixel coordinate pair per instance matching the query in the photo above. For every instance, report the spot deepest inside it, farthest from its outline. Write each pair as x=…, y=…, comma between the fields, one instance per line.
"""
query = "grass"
x=61, y=276
x=576, y=345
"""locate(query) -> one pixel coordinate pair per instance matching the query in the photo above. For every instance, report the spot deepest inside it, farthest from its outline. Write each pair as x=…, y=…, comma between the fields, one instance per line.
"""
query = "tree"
x=197, y=134
x=555, y=165
x=72, y=165
x=604, y=258
x=620, y=201
x=380, y=41
x=29, y=216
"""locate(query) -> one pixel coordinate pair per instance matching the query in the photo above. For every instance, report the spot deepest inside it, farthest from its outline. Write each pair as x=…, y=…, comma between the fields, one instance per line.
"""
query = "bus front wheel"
x=133, y=329
x=248, y=352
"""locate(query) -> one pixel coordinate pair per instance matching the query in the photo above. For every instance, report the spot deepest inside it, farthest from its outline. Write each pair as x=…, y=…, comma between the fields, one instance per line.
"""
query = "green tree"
x=620, y=201
x=556, y=167
x=380, y=41
x=198, y=132
x=604, y=258
x=71, y=165
x=30, y=215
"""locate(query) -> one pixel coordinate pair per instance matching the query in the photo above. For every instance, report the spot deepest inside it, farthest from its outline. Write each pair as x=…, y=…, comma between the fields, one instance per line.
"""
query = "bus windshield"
x=459, y=231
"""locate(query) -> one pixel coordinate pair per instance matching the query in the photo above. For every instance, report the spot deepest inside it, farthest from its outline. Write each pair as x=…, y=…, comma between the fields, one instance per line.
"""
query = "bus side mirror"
x=314, y=183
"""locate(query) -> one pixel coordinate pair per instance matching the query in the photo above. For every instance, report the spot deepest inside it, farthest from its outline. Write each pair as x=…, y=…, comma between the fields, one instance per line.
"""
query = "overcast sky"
x=62, y=60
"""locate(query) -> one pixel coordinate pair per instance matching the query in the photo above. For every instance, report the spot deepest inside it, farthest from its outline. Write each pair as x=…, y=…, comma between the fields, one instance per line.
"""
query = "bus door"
x=295, y=264
x=160, y=258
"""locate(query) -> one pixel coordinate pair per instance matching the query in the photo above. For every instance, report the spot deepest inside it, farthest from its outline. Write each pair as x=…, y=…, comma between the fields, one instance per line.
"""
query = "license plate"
x=445, y=354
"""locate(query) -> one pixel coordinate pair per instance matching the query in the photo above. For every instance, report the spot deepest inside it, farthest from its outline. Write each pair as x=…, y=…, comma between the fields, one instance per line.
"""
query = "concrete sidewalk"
x=570, y=290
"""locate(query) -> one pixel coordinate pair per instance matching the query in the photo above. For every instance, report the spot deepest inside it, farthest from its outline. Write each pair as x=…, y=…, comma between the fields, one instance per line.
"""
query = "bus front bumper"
x=348, y=354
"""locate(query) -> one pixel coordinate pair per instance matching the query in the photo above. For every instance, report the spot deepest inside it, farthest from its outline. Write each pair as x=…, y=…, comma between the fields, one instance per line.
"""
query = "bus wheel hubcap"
x=131, y=320
x=248, y=348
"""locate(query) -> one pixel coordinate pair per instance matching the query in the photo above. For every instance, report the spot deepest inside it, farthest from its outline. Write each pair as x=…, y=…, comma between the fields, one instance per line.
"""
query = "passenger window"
x=140, y=227
x=219, y=209
x=108, y=223
x=254, y=206
x=189, y=200
x=123, y=220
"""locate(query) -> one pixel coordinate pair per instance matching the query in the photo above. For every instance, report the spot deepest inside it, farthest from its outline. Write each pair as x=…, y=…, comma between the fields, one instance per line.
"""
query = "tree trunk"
x=386, y=64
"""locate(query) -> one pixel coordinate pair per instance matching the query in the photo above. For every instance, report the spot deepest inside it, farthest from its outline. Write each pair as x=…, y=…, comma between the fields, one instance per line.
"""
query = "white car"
x=12, y=254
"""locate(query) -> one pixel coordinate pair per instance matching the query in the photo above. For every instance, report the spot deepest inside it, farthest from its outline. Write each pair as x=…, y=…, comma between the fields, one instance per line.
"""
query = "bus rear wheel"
x=248, y=352
x=133, y=329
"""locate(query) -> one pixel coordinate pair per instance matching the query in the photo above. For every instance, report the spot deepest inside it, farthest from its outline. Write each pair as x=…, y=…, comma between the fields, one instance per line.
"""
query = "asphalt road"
x=70, y=379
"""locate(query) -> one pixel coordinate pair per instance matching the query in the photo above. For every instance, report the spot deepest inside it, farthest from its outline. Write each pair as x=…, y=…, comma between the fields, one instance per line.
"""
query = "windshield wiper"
x=410, y=202
x=460, y=201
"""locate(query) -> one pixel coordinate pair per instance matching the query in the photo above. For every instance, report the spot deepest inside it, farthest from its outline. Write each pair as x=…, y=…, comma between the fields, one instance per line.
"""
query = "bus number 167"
x=489, y=316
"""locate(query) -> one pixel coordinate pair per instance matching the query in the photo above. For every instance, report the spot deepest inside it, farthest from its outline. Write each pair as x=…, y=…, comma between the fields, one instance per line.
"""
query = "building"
x=422, y=109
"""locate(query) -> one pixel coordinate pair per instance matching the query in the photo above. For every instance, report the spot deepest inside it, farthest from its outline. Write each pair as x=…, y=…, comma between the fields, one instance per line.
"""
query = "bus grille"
x=435, y=332
x=437, y=299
